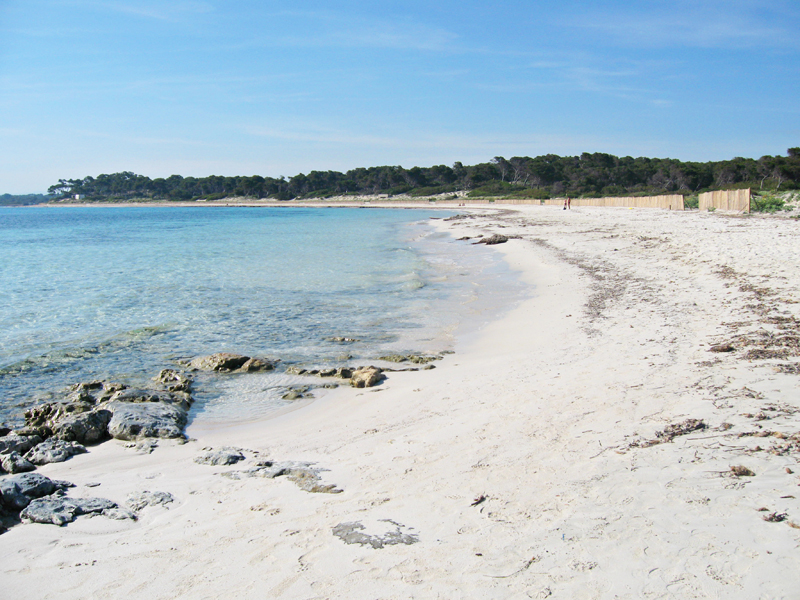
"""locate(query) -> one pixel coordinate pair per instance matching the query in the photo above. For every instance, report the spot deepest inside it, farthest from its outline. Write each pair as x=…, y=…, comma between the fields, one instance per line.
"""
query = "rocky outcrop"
x=173, y=381
x=364, y=377
x=493, y=239
x=134, y=420
x=419, y=359
x=14, y=462
x=53, y=451
x=139, y=500
x=17, y=491
x=84, y=428
x=226, y=362
x=146, y=396
x=60, y=510
x=339, y=372
x=80, y=399
x=13, y=442
x=223, y=456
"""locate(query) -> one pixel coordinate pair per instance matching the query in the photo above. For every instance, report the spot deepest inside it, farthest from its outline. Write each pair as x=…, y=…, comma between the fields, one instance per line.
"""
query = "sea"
x=119, y=293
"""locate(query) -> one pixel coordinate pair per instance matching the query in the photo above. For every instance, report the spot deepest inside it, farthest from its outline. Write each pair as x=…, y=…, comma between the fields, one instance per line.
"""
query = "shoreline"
x=522, y=466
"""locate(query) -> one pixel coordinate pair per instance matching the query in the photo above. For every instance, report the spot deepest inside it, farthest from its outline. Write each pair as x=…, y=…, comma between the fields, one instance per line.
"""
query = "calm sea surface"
x=120, y=293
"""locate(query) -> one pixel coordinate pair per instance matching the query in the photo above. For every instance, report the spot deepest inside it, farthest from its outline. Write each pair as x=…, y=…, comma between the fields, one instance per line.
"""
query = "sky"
x=242, y=87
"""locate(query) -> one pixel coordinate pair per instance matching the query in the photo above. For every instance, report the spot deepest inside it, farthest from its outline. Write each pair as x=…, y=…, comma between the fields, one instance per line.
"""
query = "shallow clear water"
x=120, y=293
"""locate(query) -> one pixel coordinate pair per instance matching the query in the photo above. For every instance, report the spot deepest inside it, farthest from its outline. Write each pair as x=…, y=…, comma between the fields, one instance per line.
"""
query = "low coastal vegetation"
x=542, y=177
x=23, y=200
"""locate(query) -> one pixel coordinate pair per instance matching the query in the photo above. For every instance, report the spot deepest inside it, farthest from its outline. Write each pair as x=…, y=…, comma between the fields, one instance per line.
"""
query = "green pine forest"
x=548, y=176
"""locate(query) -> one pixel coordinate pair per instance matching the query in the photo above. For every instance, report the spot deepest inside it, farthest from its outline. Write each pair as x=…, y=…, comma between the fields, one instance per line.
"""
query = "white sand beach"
x=525, y=465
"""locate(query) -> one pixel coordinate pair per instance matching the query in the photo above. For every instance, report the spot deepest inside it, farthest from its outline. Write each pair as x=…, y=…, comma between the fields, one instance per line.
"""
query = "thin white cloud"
x=161, y=11
x=328, y=29
x=710, y=24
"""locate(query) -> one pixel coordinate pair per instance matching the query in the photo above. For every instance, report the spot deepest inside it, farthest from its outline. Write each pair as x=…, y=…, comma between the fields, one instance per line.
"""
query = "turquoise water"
x=119, y=293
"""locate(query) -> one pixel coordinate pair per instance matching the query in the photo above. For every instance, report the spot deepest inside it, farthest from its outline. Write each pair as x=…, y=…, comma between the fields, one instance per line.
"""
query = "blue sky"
x=258, y=87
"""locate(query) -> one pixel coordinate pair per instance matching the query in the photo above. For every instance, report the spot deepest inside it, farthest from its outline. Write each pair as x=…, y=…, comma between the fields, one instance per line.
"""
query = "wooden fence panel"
x=669, y=202
x=735, y=200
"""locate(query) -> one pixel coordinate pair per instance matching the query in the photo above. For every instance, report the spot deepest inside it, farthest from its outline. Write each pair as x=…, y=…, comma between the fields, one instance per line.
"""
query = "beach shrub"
x=690, y=202
x=768, y=204
x=432, y=190
x=507, y=190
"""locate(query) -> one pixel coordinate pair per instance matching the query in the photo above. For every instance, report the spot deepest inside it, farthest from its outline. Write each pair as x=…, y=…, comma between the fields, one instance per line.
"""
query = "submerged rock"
x=296, y=393
x=226, y=362
x=173, y=381
x=53, y=451
x=419, y=359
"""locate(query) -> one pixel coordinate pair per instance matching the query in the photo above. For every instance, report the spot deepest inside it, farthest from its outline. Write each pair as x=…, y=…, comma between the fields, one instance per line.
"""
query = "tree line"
x=595, y=174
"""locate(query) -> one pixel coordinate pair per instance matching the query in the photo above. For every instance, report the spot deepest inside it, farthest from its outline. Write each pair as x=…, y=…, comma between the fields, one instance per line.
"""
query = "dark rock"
x=14, y=462
x=722, y=348
x=5, y=429
x=17, y=491
x=419, y=359
x=295, y=393
x=173, y=381
x=227, y=362
x=256, y=365
x=134, y=421
x=223, y=456
x=93, y=392
x=294, y=370
x=140, y=396
x=397, y=358
x=677, y=429
x=81, y=398
x=364, y=377
x=40, y=433
x=60, y=510
x=742, y=471
x=492, y=240
x=341, y=340
x=53, y=451
x=43, y=415
x=84, y=428
x=139, y=500
x=340, y=372
x=18, y=443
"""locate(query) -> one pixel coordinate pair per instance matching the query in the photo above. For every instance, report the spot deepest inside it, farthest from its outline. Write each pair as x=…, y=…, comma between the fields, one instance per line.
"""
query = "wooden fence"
x=669, y=202
x=737, y=200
